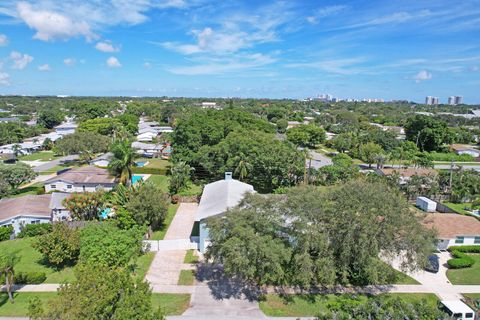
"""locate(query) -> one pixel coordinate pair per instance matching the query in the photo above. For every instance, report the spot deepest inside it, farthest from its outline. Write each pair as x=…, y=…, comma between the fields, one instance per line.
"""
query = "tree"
x=422, y=160
x=85, y=206
x=315, y=237
x=148, y=205
x=4, y=187
x=344, y=142
x=47, y=144
x=343, y=169
x=103, y=126
x=17, y=174
x=242, y=169
x=50, y=118
x=428, y=133
x=123, y=160
x=61, y=246
x=99, y=292
x=180, y=177
x=7, y=264
x=80, y=142
x=369, y=152
x=282, y=125
x=106, y=245
x=306, y=135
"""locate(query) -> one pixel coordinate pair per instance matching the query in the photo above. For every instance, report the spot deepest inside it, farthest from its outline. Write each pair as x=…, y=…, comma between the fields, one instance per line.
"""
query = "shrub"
x=33, y=230
x=30, y=277
x=145, y=170
x=5, y=233
x=61, y=246
x=470, y=249
x=460, y=260
x=438, y=156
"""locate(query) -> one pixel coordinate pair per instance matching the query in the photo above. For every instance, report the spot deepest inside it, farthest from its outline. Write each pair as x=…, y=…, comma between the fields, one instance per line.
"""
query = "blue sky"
x=275, y=49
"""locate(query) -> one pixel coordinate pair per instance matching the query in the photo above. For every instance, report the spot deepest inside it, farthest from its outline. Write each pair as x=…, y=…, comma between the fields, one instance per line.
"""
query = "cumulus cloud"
x=106, y=46
x=70, y=62
x=20, y=61
x=51, y=25
x=3, y=40
x=4, y=79
x=44, y=67
x=422, y=76
x=113, y=62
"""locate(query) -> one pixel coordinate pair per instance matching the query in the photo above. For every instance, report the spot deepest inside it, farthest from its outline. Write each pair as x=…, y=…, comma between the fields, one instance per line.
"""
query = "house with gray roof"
x=83, y=179
x=217, y=198
x=32, y=209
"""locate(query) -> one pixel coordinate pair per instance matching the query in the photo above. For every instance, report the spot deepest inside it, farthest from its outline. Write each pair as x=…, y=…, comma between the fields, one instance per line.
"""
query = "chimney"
x=228, y=176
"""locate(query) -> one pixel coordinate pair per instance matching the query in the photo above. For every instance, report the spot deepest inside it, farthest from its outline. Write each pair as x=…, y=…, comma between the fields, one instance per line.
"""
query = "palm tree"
x=180, y=175
x=242, y=169
x=122, y=161
x=7, y=263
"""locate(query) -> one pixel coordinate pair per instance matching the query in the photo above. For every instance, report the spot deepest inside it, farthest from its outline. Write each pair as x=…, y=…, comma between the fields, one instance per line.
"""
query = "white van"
x=457, y=310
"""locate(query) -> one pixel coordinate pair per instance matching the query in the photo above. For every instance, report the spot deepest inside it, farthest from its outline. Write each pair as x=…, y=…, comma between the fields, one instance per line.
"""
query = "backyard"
x=459, y=207
x=171, y=304
x=163, y=182
x=310, y=305
x=41, y=156
x=160, y=234
x=469, y=276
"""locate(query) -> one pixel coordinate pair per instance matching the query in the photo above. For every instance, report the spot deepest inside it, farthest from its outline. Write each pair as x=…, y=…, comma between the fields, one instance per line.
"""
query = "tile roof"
x=89, y=174
x=451, y=225
x=407, y=173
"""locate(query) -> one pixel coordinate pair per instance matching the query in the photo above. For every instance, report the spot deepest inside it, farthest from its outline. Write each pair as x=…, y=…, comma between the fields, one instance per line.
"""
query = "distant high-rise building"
x=454, y=100
x=429, y=100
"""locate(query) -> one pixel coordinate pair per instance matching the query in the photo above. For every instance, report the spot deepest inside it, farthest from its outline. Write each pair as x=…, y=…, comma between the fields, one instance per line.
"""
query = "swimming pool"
x=136, y=179
x=141, y=163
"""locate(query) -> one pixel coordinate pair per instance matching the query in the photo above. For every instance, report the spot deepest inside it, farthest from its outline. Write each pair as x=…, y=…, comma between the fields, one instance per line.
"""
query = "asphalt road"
x=51, y=164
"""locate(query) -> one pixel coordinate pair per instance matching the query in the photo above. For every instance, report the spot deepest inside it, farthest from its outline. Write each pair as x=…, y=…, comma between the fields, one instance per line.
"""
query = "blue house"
x=217, y=198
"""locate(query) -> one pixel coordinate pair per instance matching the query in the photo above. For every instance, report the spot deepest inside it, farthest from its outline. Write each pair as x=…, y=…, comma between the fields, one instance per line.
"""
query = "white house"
x=147, y=134
x=453, y=229
x=102, y=160
x=216, y=199
x=465, y=149
x=32, y=209
x=66, y=128
x=83, y=179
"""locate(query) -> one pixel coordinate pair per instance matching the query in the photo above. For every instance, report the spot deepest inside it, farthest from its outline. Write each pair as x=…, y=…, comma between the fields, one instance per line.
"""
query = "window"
x=53, y=186
x=469, y=315
x=35, y=222
x=69, y=186
x=477, y=240
x=459, y=240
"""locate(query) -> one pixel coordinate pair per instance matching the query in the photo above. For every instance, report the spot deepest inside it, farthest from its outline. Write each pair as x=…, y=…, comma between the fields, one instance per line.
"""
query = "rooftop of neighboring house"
x=67, y=125
x=88, y=174
x=462, y=147
x=30, y=205
x=451, y=225
x=408, y=172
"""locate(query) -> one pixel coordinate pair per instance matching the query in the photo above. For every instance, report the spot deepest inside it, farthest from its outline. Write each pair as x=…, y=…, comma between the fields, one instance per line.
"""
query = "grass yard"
x=469, y=276
x=310, y=305
x=190, y=257
x=56, y=168
x=42, y=156
x=155, y=163
x=187, y=278
x=160, y=234
x=402, y=278
x=143, y=263
x=164, y=181
x=172, y=304
x=33, y=189
x=30, y=260
x=21, y=300
x=459, y=207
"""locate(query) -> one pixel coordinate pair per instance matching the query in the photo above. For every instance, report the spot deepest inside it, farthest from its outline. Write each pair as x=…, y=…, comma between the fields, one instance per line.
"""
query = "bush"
x=469, y=249
x=5, y=233
x=33, y=230
x=437, y=156
x=59, y=247
x=460, y=260
x=145, y=170
x=30, y=277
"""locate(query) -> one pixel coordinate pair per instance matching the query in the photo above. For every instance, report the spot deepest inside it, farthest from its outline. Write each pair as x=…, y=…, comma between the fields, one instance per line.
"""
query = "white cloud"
x=52, y=25
x=4, y=79
x=422, y=76
x=44, y=67
x=147, y=65
x=20, y=61
x=345, y=66
x=113, y=62
x=106, y=46
x=70, y=62
x=3, y=40
x=325, y=12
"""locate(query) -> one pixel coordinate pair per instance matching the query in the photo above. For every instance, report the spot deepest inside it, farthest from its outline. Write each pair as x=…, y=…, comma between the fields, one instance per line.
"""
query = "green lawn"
x=56, y=168
x=164, y=181
x=171, y=304
x=402, y=278
x=143, y=263
x=21, y=300
x=160, y=234
x=469, y=276
x=310, y=305
x=155, y=163
x=33, y=189
x=459, y=207
x=30, y=260
x=187, y=278
x=190, y=257
x=42, y=156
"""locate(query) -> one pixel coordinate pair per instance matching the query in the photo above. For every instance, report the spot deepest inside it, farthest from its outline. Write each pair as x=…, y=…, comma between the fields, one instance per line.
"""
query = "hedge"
x=27, y=278
x=460, y=258
x=145, y=170
x=5, y=233
x=451, y=156
x=33, y=230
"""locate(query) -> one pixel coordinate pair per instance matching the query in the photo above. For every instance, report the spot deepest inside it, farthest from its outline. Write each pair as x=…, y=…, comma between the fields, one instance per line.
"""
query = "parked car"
x=433, y=264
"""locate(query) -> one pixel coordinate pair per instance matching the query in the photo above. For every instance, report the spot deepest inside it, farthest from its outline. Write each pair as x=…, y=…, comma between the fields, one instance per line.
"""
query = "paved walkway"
x=51, y=164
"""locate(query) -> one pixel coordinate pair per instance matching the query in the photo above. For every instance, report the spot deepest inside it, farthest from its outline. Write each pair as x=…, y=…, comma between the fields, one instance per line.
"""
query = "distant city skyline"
x=387, y=50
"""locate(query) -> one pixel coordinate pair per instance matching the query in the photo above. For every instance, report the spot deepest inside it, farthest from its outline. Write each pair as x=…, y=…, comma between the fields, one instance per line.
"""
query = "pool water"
x=105, y=213
x=141, y=163
x=136, y=179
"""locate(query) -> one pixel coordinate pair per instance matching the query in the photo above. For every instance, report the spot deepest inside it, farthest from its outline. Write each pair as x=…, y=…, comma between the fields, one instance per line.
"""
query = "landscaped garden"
x=468, y=276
